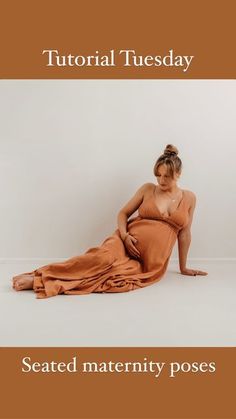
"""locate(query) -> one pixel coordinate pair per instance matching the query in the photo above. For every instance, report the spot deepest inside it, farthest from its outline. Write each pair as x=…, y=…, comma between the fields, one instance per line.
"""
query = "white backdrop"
x=72, y=152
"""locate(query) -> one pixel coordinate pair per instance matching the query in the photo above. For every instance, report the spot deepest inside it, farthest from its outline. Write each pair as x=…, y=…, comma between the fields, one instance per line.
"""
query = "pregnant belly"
x=155, y=240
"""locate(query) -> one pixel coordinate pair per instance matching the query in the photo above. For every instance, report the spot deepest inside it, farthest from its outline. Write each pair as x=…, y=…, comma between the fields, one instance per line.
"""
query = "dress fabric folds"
x=109, y=267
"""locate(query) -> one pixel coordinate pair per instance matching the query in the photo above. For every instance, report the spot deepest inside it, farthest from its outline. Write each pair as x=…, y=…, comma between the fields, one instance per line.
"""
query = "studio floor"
x=176, y=311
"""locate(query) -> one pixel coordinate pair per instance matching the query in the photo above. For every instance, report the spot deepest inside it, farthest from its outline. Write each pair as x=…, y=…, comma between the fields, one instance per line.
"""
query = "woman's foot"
x=23, y=282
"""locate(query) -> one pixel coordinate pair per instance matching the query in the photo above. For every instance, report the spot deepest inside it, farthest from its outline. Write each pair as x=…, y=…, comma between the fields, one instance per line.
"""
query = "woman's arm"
x=129, y=208
x=125, y=213
x=184, y=240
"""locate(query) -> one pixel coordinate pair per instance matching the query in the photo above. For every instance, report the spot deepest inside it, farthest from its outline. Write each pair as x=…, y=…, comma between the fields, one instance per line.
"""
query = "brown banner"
x=48, y=383
x=126, y=39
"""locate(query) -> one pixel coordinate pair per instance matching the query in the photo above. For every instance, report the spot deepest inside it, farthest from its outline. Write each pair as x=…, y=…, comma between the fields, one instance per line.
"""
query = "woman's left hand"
x=192, y=272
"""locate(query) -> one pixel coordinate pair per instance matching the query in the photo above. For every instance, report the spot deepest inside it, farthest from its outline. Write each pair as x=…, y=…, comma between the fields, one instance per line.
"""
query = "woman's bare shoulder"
x=147, y=188
x=190, y=196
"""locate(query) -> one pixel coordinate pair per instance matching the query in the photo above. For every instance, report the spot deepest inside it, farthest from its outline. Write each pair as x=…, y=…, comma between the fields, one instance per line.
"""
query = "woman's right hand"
x=129, y=243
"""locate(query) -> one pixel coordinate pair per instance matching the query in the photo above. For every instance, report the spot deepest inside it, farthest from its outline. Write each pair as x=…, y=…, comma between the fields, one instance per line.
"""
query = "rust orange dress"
x=108, y=267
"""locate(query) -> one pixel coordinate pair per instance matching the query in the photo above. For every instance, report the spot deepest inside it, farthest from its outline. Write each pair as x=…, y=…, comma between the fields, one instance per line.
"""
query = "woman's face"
x=164, y=179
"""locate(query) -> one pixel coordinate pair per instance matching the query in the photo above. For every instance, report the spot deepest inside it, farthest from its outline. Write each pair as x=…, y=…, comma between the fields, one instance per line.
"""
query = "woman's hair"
x=171, y=159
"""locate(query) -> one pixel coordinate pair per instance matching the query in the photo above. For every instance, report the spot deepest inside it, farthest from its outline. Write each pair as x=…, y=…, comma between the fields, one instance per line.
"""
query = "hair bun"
x=171, y=150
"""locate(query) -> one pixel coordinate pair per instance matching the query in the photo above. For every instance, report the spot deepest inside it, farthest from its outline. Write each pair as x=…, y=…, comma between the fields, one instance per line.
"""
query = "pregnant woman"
x=138, y=252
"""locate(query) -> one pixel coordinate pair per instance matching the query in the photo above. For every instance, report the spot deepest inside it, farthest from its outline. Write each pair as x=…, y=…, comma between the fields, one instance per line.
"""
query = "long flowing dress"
x=109, y=267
